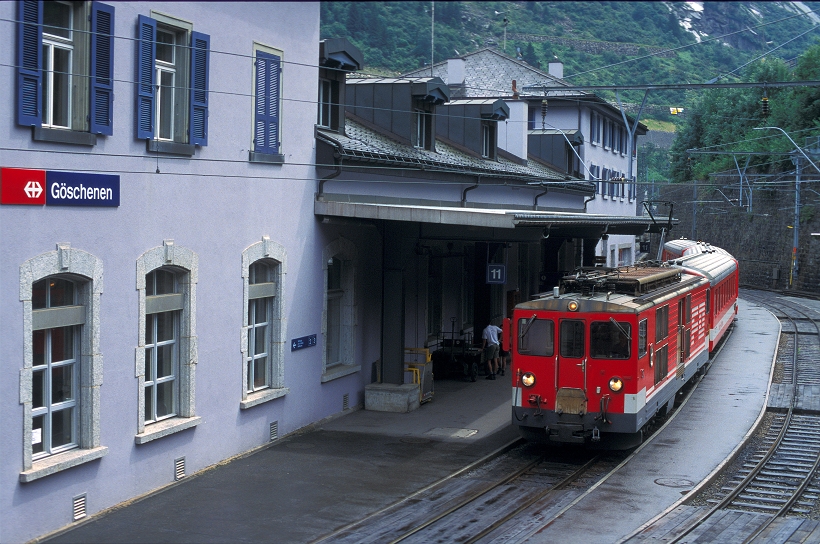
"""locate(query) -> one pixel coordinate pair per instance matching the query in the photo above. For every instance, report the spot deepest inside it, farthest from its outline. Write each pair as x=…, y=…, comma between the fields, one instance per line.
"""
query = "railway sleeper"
x=755, y=506
x=763, y=494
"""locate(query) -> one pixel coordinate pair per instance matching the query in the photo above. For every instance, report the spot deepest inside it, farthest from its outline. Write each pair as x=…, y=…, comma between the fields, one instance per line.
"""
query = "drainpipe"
x=337, y=159
x=464, y=192
x=539, y=195
x=590, y=199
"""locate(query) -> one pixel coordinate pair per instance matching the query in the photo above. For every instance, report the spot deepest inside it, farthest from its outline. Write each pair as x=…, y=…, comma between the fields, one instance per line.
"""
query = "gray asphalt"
x=310, y=483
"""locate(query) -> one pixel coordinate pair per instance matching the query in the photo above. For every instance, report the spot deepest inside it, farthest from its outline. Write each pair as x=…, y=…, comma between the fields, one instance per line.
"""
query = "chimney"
x=512, y=133
x=557, y=69
x=455, y=71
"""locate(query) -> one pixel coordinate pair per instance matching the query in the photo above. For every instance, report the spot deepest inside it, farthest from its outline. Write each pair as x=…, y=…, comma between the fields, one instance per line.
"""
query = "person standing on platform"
x=490, y=347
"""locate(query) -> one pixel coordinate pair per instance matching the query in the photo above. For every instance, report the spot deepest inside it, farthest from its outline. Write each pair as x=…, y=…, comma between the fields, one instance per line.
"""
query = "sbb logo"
x=22, y=186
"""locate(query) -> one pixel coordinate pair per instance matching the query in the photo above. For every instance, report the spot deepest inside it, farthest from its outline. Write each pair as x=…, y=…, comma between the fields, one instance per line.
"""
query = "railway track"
x=779, y=479
x=475, y=502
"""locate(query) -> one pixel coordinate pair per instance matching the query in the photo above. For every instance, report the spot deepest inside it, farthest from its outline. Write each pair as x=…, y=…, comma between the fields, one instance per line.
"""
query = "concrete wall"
x=216, y=204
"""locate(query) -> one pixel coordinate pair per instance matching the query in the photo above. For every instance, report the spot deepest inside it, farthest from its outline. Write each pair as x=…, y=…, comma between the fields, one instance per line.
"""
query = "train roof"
x=714, y=265
x=624, y=289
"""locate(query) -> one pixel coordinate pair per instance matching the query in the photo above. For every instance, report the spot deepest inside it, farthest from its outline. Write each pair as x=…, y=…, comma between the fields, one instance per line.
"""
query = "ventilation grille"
x=179, y=468
x=79, y=507
x=274, y=431
x=346, y=401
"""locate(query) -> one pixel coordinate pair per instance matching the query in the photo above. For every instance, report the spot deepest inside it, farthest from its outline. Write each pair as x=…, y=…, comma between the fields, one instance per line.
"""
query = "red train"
x=606, y=352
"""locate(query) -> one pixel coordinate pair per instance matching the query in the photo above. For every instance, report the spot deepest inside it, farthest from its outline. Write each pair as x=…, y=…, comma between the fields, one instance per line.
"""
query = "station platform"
x=307, y=484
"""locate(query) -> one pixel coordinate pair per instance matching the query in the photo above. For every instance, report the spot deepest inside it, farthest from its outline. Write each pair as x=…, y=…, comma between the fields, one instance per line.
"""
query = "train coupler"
x=596, y=434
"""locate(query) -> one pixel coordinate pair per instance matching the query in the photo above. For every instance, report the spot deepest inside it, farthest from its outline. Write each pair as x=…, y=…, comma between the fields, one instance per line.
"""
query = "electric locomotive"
x=598, y=358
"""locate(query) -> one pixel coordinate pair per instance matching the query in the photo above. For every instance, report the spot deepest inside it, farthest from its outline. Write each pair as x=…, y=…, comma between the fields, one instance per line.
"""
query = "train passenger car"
x=597, y=359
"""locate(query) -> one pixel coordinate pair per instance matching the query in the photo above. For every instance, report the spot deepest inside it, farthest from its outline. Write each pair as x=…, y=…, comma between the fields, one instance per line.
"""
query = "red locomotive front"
x=608, y=350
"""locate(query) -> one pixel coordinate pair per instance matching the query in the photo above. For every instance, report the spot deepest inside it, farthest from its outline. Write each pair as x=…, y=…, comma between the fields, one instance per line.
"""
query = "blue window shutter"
x=102, y=69
x=146, y=74
x=266, y=108
x=198, y=119
x=29, y=62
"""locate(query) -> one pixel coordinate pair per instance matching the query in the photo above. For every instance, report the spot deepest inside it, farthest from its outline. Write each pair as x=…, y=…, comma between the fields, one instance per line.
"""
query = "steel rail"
x=743, y=485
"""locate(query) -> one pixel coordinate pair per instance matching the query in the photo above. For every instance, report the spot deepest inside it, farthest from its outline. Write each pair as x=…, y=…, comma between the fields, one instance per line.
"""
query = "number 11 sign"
x=496, y=273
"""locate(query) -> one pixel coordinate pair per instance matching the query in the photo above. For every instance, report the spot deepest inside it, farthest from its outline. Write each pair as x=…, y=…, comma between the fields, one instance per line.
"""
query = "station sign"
x=496, y=273
x=79, y=189
x=50, y=188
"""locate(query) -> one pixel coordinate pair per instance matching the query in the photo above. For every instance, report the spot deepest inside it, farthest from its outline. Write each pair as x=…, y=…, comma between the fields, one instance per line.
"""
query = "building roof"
x=361, y=143
x=489, y=73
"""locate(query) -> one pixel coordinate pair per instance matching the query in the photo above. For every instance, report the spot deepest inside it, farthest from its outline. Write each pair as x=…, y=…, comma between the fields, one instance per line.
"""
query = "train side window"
x=572, y=338
x=608, y=340
x=642, y=329
x=536, y=337
x=661, y=323
x=708, y=299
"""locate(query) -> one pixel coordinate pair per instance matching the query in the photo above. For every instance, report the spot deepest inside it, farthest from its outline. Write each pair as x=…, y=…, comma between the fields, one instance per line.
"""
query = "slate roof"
x=362, y=143
x=489, y=73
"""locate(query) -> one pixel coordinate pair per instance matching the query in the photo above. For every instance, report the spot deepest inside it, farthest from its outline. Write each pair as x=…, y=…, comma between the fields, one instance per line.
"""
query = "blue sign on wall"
x=80, y=189
x=303, y=342
x=496, y=273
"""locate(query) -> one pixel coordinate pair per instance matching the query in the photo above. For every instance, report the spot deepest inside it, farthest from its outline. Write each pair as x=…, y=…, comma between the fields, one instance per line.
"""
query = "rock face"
x=712, y=19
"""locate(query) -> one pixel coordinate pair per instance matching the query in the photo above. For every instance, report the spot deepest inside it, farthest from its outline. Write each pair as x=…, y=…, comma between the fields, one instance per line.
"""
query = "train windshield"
x=536, y=337
x=572, y=338
x=609, y=339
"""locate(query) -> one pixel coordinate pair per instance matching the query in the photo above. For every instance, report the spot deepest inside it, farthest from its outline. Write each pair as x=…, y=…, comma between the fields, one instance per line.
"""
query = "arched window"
x=62, y=371
x=166, y=355
x=263, y=331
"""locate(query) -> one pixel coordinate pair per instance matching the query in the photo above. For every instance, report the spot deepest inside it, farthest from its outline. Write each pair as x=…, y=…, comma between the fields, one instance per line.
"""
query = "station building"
x=212, y=237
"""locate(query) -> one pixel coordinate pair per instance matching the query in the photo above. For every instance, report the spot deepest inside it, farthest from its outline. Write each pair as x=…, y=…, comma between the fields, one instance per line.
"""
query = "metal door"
x=571, y=360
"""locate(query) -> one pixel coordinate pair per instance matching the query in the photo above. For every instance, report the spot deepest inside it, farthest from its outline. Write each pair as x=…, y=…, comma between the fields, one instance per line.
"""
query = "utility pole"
x=793, y=273
x=432, y=35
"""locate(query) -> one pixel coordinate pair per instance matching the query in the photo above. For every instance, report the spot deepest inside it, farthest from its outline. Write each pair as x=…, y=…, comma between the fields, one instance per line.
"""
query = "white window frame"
x=50, y=43
x=86, y=271
x=181, y=29
x=185, y=263
x=273, y=254
x=66, y=319
x=421, y=129
x=151, y=323
x=345, y=251
x=325, y=103
x=164, y=67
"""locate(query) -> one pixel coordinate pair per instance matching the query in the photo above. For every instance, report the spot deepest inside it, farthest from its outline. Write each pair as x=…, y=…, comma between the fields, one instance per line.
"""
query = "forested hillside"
x=598, y=42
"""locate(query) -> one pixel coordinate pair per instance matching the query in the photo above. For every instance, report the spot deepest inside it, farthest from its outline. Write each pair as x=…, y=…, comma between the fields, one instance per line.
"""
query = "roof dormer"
x=337, y=57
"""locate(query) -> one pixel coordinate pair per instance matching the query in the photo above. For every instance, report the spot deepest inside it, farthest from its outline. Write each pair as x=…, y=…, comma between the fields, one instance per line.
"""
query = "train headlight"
x=616, y=384
x=572, y=306
x=528, y=379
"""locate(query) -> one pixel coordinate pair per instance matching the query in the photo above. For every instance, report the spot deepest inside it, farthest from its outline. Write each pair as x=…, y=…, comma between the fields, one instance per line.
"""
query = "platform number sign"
x=496, y=273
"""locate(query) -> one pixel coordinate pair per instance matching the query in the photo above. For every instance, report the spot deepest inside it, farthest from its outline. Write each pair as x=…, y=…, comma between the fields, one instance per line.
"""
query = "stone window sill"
x=63, y=136
x=166, y=427
x=61, y=461
x=171, y=148
x=339, y=371
x=269, y=158
x=260, y=397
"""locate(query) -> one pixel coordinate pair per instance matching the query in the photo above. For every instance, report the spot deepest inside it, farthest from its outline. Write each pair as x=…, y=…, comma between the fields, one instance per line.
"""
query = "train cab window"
x=609, y=340
x=688, y=309
x=536, y=337
x=642, y=328
x=708, y=299
x=661, y=323
x=572, y=338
